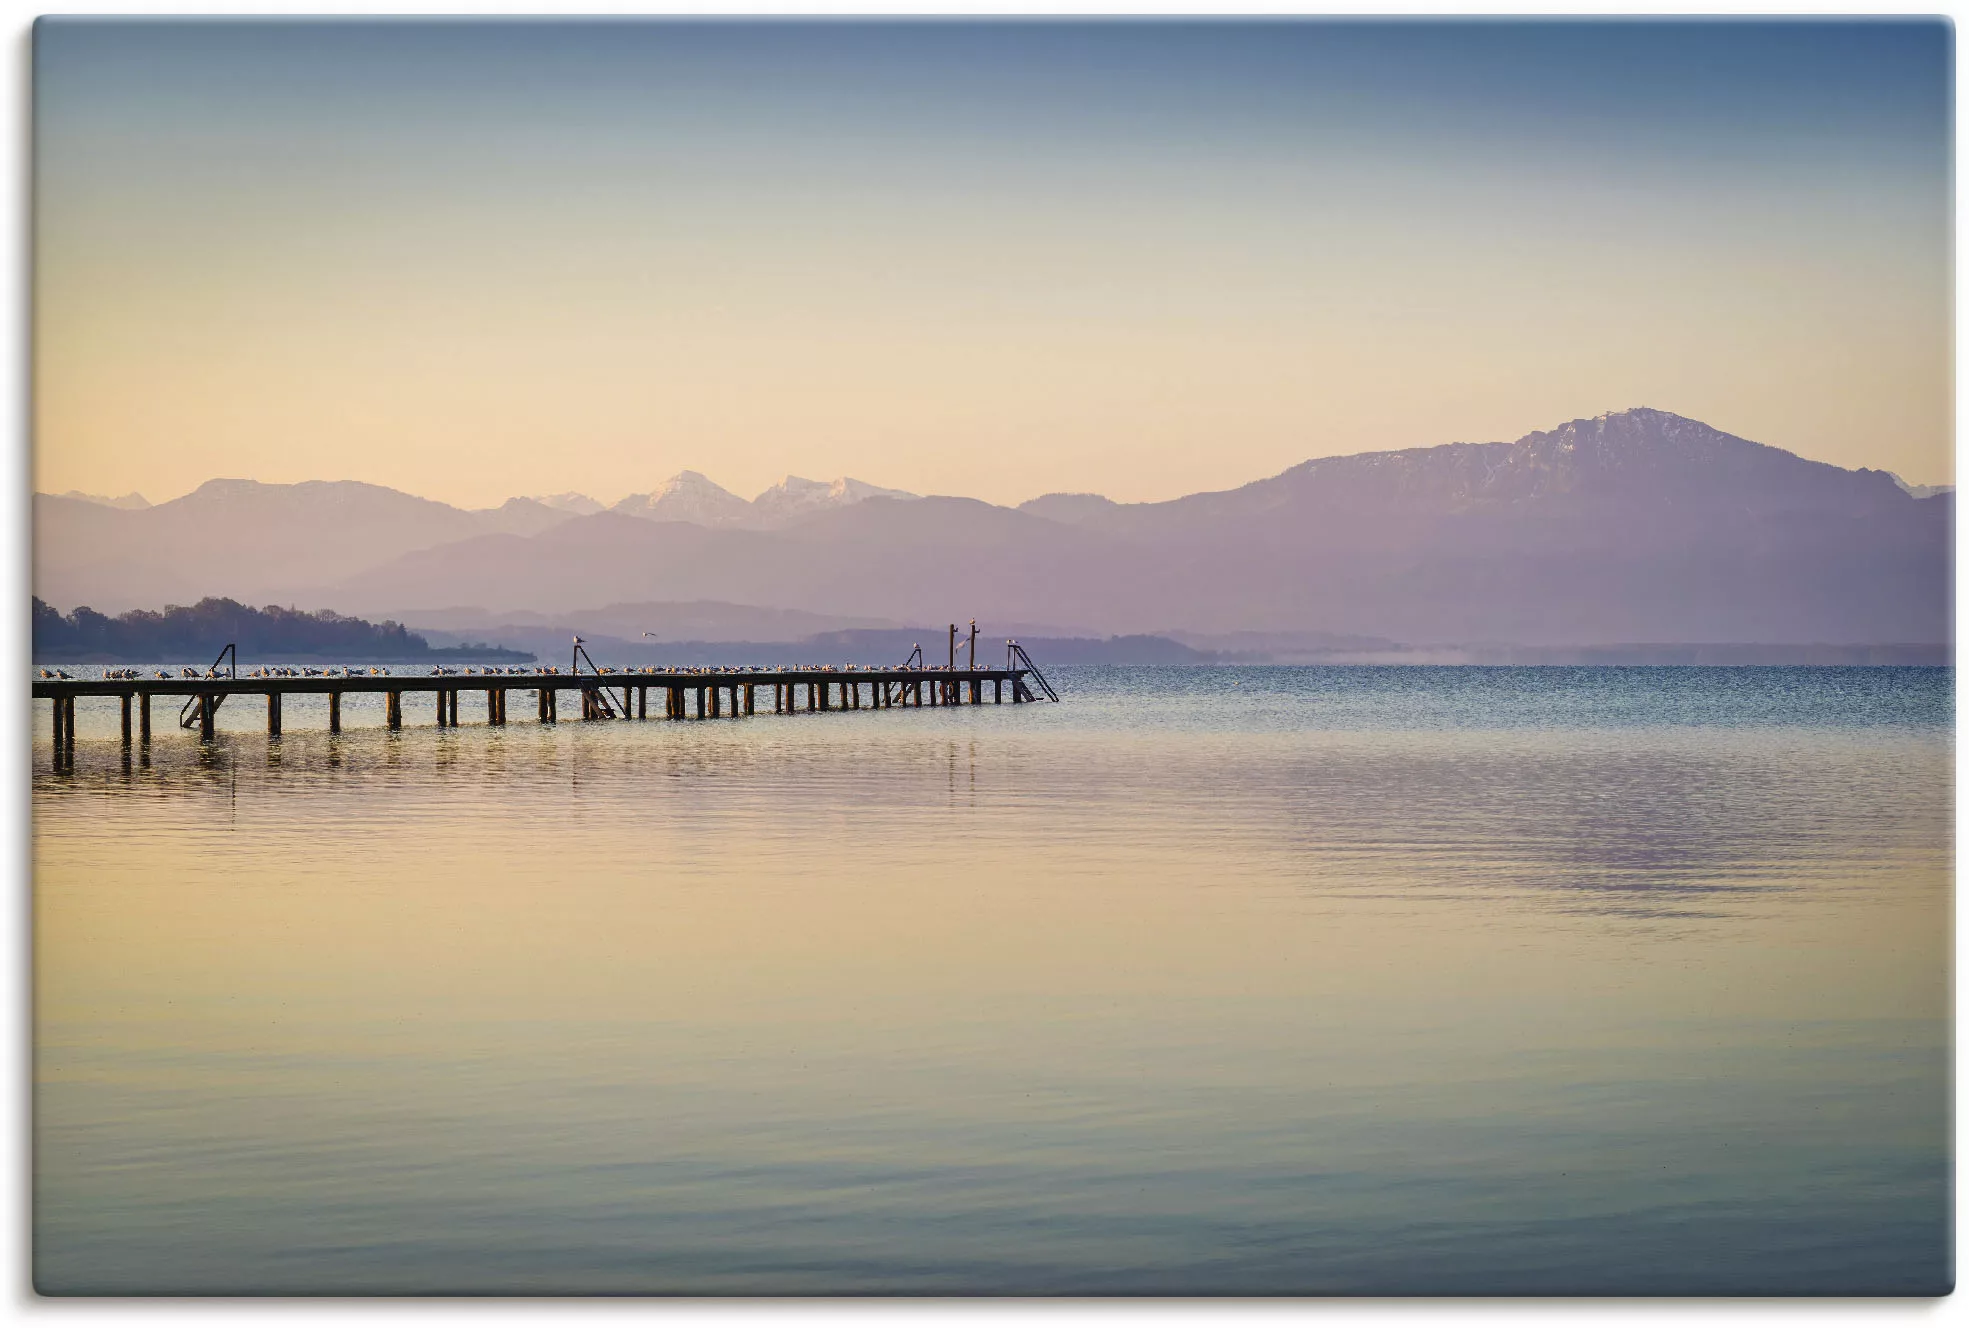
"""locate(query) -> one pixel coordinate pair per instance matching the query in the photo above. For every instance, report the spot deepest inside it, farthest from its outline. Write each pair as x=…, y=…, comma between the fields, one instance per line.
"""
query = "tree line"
x=196, y=633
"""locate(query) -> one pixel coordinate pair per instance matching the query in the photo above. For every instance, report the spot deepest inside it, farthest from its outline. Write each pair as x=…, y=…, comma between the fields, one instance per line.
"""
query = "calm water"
x=1272, y=980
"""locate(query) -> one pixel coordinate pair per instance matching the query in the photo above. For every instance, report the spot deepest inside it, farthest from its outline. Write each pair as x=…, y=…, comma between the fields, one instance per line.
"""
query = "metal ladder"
x=188, y=717
x=600, y=694
x=1015, y=655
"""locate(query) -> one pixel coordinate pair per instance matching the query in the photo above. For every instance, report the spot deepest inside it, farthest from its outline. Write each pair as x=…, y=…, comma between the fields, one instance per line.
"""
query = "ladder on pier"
x=595, y=697
x=188, y=717
x=1015, y=655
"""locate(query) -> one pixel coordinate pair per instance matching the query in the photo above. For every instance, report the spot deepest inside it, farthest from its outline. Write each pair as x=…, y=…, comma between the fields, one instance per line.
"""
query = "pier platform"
x=616, y=694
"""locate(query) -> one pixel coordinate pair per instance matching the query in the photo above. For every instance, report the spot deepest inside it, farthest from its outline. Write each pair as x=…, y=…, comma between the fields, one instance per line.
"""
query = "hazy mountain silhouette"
x=255, y=542
x=1637, y=526
x=133, y=500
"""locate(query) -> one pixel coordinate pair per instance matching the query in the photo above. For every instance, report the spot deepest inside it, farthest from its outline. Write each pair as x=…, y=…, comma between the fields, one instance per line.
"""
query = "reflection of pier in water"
x=604, y=694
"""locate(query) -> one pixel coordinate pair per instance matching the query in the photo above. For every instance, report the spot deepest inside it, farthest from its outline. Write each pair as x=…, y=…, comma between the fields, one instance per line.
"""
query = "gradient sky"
x=472, y=260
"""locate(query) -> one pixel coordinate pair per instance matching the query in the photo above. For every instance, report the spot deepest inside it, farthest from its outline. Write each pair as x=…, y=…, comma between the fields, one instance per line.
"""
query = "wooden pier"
x=619, y=694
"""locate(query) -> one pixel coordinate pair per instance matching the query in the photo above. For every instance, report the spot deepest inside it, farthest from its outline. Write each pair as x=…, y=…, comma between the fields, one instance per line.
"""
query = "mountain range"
x=691, y=496
x=1635, y=526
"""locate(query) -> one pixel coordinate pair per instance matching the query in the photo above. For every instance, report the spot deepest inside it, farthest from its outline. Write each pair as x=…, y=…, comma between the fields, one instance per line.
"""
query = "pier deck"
x=680, y=694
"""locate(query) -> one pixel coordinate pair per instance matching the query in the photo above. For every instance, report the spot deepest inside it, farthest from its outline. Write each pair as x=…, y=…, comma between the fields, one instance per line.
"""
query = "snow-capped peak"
x=688, y=496
x=795, y=497
x=578, y=503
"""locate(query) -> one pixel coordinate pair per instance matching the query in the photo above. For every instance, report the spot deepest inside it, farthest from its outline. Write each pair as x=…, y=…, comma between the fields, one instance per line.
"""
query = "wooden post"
x=393, y=710
x=444, y=715
x=540, y=702
x=642, y=701
x=997, y=692
x=334, y=712
x=143, y=717
x=55, y=705
x=700, y=703
x=126, y=719
x=207, y=716
x=273, y=714
x=749, y=697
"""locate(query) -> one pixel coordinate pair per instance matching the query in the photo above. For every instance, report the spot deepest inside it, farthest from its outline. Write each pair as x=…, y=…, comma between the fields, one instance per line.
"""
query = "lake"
x=1264, y=980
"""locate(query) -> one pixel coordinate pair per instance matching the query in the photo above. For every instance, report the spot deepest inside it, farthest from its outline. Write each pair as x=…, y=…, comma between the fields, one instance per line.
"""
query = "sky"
x=476, y=259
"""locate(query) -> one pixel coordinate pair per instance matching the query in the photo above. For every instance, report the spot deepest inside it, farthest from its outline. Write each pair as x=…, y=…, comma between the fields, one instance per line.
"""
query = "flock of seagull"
x=489, y=671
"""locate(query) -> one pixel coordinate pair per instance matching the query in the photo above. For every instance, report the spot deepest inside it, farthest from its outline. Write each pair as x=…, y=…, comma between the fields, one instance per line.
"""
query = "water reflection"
x=1035, y=998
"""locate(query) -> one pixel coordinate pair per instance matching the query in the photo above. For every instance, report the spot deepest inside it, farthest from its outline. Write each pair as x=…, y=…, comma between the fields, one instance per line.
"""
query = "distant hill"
x=872, y=646
x=1635, y=526
x=196, y=634
x=663, y=620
